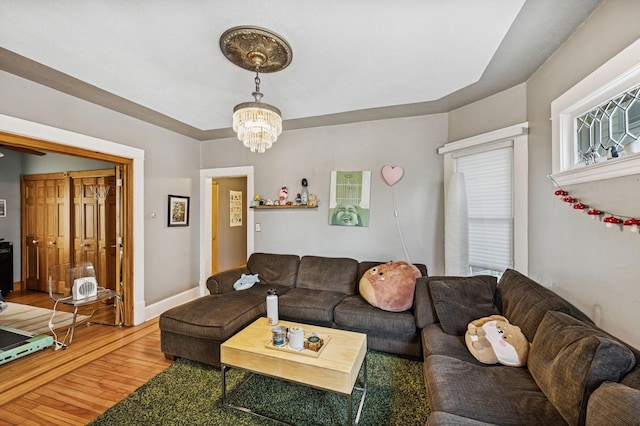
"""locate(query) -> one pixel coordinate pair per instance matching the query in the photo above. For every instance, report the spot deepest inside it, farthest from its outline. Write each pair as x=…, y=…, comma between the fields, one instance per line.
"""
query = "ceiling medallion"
x=257, y=124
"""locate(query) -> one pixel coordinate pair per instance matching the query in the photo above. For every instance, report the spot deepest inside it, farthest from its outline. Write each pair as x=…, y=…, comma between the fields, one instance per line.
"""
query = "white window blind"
x=489, y=186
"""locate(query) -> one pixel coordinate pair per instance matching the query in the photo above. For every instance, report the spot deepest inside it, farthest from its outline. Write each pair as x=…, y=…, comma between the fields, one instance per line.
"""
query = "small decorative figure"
x=304, y=198
x=612, y=152
x=313, y=200
x=269, y=202
x=283, y=195
x=298, y=199
x=591, y=156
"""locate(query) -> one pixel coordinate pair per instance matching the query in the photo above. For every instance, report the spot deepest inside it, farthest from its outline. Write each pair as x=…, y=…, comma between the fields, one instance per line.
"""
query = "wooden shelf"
x=282, y=207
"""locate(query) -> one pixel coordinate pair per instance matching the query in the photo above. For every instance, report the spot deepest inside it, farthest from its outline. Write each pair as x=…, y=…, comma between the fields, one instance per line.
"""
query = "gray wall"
x=582, y=259
x=10, y=169
x=594, y=267
x=501, y=110
x=313, y=153
x=170, y=167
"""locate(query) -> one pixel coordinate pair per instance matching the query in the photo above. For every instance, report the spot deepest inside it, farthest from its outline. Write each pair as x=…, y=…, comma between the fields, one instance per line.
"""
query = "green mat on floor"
x=190, y=393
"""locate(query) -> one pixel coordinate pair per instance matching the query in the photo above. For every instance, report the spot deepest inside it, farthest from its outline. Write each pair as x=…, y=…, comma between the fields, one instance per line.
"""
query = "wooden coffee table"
x=334, y=369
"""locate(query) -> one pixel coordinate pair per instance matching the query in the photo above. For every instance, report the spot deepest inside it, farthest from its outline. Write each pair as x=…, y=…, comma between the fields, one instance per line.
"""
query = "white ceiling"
x=159, y=60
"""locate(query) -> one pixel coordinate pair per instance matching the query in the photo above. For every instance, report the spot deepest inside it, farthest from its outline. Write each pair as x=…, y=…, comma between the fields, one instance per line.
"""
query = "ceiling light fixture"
x=257, y=124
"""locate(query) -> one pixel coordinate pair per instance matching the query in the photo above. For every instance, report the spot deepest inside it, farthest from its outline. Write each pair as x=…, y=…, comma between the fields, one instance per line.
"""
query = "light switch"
x=258, y=227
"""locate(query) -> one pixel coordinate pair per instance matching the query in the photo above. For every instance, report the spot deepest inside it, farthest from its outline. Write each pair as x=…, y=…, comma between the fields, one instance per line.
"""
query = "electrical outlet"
x=258, y=227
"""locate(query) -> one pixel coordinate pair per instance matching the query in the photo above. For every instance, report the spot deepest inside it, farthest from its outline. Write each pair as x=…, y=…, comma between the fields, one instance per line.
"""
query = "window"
x=489, y=188
x=610, y=129
x=495, y=169
x=596, y=123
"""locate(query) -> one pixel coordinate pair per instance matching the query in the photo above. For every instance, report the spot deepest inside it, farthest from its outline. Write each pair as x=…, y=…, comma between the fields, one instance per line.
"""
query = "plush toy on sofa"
x=493, y=340
x=390, y=286
x=246, y=281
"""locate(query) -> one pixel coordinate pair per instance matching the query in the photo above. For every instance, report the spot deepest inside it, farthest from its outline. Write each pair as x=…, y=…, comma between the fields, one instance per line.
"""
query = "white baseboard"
x=158, y=308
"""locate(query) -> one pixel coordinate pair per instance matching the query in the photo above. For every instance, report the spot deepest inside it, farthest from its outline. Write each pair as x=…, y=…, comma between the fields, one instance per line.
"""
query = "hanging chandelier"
x=257, y=124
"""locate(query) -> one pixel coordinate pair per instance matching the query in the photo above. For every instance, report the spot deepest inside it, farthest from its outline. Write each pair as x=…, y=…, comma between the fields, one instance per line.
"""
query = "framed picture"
x=178, y=210
x=3, y=208
x=349, y=198
x=235, y=207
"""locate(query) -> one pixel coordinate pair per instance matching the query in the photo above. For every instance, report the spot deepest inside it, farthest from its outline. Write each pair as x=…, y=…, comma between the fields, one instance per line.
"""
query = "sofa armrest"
x=223, y=282
x=613, y=404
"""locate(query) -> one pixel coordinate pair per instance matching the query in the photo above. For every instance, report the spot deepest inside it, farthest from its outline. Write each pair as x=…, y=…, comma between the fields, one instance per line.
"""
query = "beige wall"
x=594, y=267
x=170, y=167
x=501, y=110
x=314, y=153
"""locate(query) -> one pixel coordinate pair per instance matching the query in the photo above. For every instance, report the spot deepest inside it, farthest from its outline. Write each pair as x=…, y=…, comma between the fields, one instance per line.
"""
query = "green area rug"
x=190, y=393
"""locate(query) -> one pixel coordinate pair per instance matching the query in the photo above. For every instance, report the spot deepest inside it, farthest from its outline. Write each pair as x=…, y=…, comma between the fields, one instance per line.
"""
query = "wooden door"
x=215, y=189
x=55, y=246
x=45, y=226
x=94, y=224
x=33, y=231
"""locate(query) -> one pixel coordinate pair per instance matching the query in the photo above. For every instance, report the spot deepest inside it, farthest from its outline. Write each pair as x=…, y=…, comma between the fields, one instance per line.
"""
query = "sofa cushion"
x=280, y=269
x=524, y=302
x=355, y=313
x=423, y=307
x=436, y=342
x=459, y=301
x=569, y=359
x=613, y=404
x=307, y=305
x=494, y=394
x=328, y=273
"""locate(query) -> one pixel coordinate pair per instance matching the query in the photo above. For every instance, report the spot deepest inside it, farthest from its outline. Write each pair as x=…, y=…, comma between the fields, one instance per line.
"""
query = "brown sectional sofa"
x=576, y=373
x=312, y=289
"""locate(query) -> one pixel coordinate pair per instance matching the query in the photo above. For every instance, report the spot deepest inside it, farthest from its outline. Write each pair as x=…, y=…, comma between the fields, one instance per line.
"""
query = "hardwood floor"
x=72, y=386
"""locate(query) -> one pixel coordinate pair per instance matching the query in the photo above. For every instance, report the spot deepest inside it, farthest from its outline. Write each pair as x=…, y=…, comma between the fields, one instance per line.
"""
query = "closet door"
x=45, y=200
x=94, y=225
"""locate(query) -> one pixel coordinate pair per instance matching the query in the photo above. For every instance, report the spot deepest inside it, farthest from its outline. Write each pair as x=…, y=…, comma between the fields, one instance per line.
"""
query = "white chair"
x=75, y=284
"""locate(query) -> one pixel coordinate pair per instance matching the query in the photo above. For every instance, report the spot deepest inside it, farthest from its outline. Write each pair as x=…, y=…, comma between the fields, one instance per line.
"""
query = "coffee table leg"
x=224, y=384
x=364, y=394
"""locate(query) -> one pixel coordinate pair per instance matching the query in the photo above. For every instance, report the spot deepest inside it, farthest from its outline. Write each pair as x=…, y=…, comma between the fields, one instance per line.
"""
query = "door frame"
x=30, y=134
x=206, y=177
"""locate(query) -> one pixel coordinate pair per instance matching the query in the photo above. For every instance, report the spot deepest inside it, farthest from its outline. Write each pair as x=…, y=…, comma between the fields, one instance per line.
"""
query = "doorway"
x=71, y=217
x=228, y=222
x=21, y=133
x=207, y=177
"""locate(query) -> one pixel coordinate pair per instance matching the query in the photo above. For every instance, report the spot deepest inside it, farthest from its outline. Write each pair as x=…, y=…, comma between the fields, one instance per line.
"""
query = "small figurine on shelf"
x=298, y=199
x=283, y=195
x=313, y=200
x=304, y=197
x=256, y=200
x=269, y=202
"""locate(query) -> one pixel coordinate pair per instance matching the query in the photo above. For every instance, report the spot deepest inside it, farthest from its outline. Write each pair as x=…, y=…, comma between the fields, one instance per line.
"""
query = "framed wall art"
x=178, y=210
x=235, y=207
x=349, y=198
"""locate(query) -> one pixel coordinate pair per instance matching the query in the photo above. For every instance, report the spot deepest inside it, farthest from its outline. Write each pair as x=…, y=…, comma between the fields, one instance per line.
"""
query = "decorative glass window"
x=605, y=131
x=596, y=123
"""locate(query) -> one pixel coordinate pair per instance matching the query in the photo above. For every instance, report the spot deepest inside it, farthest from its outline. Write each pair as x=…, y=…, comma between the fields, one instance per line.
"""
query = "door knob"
x=53, y=243
x=34, y=241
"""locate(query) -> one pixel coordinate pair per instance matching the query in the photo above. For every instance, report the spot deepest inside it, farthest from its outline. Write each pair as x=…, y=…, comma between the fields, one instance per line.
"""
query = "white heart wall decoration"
x=392, y=174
